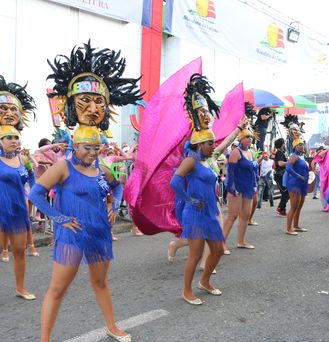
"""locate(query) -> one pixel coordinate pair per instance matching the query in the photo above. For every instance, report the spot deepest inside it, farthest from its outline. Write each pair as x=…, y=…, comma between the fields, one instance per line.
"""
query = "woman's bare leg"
x=97, y=275
x=18, y=243
x=216, y=251
x=298, y=210
x=234, y=204
x=61, y=279
x=244, y=216
x=294, y=202
x=194, y=256
x=174, y=246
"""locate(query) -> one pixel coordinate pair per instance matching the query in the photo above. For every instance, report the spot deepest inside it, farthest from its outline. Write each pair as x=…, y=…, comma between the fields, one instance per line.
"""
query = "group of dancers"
x=89, y=83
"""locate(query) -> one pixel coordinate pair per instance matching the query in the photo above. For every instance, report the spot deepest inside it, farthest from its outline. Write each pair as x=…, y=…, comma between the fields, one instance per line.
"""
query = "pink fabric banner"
x=165, y=128
x=323, y=161
x=232, y=110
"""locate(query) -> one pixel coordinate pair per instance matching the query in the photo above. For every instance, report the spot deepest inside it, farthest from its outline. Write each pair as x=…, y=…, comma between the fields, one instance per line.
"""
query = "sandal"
x=5, y=255
x=31, y=251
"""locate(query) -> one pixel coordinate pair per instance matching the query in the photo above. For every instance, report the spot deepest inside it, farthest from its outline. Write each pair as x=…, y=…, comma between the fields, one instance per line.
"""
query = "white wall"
x=34, y=30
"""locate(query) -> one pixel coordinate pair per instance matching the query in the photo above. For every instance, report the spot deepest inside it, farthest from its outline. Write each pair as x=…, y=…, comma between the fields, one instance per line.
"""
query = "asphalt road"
x=277, y=292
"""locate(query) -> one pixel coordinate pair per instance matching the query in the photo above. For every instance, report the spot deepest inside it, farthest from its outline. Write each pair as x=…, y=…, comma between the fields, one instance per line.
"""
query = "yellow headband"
x=93, y=87
x=244, y=133
x=6, y=131
x=297, y=142
x=202, y=136
x=86, y=135
x=6, y=97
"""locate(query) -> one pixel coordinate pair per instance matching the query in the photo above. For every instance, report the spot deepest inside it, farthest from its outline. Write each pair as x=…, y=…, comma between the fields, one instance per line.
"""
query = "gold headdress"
x=13, y=93
x=86, y=135
x=200, y=107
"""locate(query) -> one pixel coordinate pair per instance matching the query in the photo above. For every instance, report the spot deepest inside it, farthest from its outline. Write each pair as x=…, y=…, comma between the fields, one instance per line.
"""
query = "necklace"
x=76, y=161
x=8, y=155
x=243, y=148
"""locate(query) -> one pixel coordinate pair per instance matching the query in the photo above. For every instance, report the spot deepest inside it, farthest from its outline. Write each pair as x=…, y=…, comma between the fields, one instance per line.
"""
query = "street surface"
x=277, y=292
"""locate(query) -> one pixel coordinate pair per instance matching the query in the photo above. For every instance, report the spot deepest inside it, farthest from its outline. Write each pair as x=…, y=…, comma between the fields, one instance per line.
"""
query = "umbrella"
x=262, y=98
x=301, y=102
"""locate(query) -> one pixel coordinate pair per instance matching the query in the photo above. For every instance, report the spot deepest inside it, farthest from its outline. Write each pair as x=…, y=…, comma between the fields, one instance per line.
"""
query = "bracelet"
x=240, y=128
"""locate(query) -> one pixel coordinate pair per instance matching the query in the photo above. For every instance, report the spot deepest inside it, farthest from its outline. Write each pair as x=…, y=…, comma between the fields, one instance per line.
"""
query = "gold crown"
x=6, y=131
x=202, y=136
x=86, y=134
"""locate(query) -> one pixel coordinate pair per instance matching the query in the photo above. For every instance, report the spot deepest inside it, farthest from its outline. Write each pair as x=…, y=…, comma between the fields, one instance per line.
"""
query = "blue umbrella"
x=262, y=98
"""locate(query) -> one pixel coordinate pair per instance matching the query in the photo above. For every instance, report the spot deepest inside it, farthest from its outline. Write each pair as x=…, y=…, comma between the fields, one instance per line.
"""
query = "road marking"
x=132, y=322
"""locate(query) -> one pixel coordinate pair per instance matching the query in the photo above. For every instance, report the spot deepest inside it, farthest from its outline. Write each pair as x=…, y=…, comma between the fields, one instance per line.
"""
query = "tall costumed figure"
x=89, y=82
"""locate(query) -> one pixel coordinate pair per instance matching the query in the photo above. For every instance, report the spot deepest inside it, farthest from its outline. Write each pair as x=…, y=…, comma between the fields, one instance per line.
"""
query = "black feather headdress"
x=199, y=87
x=87, y=63
x=25, y=101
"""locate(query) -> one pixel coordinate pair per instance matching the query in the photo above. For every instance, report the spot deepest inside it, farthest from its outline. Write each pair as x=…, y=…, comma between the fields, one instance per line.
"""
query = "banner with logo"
x=127, y=10
x=241, y=30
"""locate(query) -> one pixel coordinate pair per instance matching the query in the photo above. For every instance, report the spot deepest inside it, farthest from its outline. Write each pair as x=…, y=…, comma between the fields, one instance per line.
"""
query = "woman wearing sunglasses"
x=82, y=228
x=241, y=187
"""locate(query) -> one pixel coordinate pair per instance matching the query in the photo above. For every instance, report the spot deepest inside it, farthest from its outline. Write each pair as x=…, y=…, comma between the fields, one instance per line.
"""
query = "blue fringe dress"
x=245, y=176
x=83, y=197
x=200, y=223
x=14, y=217
x=294, y=183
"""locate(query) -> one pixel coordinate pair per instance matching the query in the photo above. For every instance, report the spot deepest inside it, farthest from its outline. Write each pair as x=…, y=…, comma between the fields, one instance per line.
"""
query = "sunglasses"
x=249, y=136
x=12, y=137
x=89, y=148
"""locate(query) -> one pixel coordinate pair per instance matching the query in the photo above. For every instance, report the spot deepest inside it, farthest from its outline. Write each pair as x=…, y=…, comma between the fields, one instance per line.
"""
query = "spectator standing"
x=280, y=161
x=266, y=178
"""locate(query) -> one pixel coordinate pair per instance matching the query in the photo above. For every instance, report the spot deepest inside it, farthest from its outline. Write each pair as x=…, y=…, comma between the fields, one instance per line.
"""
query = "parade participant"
x=15, y=107
x=196, y=204
x=14, y=219
x=89, y=83
x=296, y=181
x=280, y=161
x=241, y=187
x=82, y=229
x=322, y=158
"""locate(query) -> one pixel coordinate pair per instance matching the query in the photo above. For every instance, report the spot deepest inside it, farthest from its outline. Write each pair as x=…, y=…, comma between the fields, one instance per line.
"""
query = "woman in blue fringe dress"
x=296, y=181
x=241, y=187
x=88, y=83
x=82, y=228
x=14, y=219
x=194, y=183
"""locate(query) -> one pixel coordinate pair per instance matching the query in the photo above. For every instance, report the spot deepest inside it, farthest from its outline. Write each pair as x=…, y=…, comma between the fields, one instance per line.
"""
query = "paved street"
x=270, y=294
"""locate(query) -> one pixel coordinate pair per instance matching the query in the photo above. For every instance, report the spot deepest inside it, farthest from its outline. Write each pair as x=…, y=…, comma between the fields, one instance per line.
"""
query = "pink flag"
x=231, y=111
x=323, y=161
x=164, y=130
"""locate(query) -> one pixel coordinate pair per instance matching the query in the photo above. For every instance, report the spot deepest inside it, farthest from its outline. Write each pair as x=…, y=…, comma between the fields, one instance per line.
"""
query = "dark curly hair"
x=106, y=64
x=199, y=84
x=25, y=99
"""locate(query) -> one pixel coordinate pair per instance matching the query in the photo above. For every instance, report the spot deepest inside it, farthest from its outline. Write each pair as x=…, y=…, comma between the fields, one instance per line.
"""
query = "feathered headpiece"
x=16, y=94
x=88, y=70
x=197, y=96
x=61, y=136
